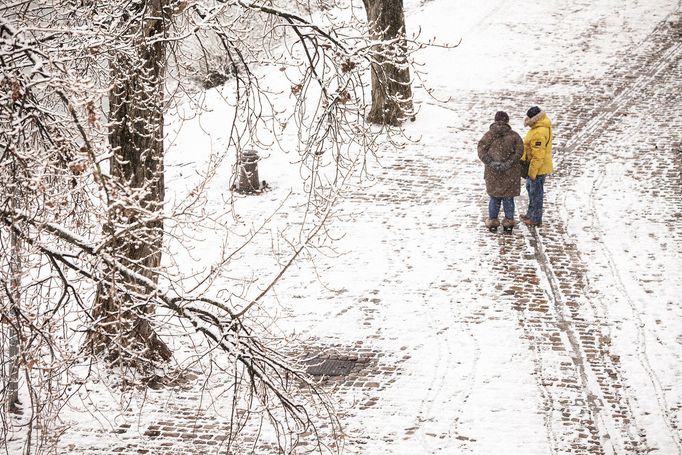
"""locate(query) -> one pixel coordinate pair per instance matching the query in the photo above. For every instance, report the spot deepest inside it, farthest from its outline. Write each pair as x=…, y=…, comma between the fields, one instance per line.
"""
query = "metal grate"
x=330, y=367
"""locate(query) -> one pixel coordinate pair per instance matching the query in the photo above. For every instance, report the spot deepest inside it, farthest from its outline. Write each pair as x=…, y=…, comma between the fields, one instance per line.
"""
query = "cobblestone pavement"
x=565, y=339
x=593, y=318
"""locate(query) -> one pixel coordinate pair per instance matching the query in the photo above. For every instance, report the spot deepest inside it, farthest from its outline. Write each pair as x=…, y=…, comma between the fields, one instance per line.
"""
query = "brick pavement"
x=566, y=321
x=414, y=392
x=589, y=405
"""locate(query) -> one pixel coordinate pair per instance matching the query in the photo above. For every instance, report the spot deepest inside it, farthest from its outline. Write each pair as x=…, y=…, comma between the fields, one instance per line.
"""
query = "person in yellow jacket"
x=537, y=149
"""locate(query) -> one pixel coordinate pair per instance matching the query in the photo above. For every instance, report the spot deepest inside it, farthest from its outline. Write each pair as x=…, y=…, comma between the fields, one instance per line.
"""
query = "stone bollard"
x=248, y=173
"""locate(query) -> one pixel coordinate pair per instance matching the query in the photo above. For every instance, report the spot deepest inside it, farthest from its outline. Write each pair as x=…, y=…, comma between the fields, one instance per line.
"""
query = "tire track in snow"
x=526, y=313
x=606, y=113
x=427, y=410
x=615, y=431
x=572, y=433
x=581, y=142
x=595, y=386
x=404, y=184
x=600, y=419
x=438, y=385
x=437, y=392
x=622, y=423
x=570, y=407
x=642, y=355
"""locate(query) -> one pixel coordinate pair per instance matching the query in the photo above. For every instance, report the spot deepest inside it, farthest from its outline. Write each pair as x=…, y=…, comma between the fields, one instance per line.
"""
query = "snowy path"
x=542, y=342
x=564, y=340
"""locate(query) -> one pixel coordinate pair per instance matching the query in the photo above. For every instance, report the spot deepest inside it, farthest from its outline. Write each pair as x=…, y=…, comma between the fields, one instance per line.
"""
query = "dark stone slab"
x=330, y=367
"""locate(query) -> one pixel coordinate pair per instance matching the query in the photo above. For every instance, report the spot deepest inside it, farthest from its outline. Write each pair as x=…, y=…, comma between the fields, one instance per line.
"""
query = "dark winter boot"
x=492, y=224
x=508, y=225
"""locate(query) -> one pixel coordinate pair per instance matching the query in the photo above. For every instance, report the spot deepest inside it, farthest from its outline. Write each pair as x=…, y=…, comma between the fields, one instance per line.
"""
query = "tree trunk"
x=136, y=138
x=12, y=378
x=391, y=85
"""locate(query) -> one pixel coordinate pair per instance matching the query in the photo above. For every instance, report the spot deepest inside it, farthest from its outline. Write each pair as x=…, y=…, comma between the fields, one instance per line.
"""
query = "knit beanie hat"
x=533, y=111
x=501, y=116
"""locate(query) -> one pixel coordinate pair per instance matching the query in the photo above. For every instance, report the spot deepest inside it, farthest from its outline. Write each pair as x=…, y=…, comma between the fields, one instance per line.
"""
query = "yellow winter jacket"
x=537, y=145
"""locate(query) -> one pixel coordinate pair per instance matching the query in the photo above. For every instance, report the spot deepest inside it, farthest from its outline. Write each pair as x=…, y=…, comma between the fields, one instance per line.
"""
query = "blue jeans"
x=494, y=207
x=536, y=194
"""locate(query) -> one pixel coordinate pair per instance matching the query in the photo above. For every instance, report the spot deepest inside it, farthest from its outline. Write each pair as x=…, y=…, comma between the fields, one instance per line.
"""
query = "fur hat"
x=533, y=115
x=501, y=116
x=533, y=111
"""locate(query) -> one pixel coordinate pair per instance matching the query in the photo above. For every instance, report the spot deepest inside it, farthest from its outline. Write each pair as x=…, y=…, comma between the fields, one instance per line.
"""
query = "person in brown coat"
x=500, y=150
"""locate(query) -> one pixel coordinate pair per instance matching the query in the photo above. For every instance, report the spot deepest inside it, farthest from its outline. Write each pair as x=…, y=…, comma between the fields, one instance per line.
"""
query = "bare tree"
x=390, y=69
x=86, y=89
x=10, y=369
x=136, y=139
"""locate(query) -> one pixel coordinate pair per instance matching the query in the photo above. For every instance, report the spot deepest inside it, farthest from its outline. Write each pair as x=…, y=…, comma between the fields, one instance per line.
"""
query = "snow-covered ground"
x=565, y=339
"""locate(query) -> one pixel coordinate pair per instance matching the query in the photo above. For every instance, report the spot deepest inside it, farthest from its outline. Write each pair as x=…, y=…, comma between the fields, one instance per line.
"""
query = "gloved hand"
x=498, y=166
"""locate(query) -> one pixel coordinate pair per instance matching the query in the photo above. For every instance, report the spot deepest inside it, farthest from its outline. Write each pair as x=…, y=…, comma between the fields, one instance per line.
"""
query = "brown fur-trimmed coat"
x=500, y=150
